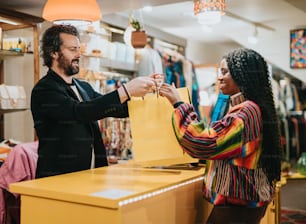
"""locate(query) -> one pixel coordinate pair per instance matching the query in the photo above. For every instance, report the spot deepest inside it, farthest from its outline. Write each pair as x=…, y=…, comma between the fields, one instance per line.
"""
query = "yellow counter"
x=114, y=194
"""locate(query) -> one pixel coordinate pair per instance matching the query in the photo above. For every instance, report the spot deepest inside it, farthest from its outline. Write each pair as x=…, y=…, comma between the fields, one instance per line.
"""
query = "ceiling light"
x=254, y=38
x=74, y=12
x=209, y=12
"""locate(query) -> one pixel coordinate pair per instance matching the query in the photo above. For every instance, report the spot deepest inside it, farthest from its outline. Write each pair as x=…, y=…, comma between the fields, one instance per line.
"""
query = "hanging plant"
x=135, y=24
x=138, y=36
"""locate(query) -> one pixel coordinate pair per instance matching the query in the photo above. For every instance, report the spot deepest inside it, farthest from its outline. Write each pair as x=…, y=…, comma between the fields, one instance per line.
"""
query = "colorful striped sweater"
x=233, y=146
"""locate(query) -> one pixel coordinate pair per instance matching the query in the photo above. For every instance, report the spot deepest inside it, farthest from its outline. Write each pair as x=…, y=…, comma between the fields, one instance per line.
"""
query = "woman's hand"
x=170, y=92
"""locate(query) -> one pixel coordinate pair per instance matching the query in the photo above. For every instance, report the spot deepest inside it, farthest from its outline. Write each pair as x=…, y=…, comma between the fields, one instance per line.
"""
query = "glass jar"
x=301, y=164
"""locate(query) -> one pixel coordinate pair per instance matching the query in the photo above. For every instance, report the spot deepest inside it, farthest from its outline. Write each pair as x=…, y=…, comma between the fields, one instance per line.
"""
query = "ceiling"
x=273, y=18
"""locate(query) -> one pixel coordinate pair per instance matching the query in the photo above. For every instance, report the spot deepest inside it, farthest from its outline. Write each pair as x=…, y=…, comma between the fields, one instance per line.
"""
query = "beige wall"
x=201, y=53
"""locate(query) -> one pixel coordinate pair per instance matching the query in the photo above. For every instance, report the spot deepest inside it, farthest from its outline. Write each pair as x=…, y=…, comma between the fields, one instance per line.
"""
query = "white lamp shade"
x=209, y=12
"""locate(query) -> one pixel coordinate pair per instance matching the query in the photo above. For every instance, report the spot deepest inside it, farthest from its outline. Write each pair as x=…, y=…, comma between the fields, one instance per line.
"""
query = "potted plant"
x=138, y=36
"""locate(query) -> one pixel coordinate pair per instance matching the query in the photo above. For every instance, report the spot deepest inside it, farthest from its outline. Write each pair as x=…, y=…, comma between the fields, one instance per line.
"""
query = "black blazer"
x=67, y=129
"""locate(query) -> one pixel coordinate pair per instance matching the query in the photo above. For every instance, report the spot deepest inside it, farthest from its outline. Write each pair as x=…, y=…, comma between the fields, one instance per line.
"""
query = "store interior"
x=174, y=38
x=172, y=30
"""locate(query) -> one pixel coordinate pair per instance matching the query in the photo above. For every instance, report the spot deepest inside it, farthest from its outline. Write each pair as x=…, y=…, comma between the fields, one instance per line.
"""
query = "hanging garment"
x=149, y=62
x=220, y=107
x=178, y=72
x=169, y=70
x=195, y=92
x=188, y=74
x=20, y=165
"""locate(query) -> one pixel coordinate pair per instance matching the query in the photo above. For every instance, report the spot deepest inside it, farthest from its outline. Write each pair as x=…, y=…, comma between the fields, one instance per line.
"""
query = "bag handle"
x=157, y=95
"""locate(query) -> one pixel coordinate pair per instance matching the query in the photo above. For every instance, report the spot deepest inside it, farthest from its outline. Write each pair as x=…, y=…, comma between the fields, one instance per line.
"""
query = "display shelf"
x=19, y=25
x=86, y=32
x=6, y=54
x=4, y=111
x=294, y=176
x=113, y=64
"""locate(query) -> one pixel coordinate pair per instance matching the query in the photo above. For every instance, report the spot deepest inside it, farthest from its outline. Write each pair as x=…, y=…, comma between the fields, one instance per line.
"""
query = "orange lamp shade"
x=86, y=10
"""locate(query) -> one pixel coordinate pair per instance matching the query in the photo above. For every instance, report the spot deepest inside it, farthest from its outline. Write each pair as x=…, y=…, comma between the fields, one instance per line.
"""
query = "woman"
x=243, y=148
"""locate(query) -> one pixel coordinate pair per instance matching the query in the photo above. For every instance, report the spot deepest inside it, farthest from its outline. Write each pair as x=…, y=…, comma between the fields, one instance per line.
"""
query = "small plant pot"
x=139, y=39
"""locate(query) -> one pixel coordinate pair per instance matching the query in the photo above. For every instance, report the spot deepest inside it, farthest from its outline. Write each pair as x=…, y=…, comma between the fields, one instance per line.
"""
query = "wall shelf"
x=4, y=111
x=113, y=64
x=6, y=53
x=19, y=24
x=107, y=35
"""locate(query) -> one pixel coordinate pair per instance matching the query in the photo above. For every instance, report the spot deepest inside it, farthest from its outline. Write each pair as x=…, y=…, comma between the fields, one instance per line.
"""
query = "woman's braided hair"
x=250, y=72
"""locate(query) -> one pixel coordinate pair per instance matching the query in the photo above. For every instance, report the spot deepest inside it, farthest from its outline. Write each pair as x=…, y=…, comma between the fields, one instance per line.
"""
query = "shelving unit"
x=6, y=54
x=102, y=65
x=12, y=110
x=103, y=50
x=113, y=64
x=21, y=22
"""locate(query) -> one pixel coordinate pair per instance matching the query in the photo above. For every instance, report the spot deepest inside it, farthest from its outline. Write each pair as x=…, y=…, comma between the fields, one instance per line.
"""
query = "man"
x=65, y=110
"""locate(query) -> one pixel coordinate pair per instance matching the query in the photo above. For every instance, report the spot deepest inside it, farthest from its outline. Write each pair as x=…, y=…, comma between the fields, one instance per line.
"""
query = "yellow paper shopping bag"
x=154, y=141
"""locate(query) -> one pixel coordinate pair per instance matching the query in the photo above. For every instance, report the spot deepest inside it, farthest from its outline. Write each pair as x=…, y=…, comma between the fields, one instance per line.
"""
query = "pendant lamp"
x=74, y=12
x=209, y=12
x=253, y=39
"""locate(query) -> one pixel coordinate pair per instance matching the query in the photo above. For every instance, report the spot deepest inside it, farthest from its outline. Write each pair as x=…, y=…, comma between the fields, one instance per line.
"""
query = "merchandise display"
x=12, y=97
x=301, y=164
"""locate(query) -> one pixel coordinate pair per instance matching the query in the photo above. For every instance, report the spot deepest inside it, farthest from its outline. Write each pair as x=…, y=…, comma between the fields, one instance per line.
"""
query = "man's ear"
x=54, y=54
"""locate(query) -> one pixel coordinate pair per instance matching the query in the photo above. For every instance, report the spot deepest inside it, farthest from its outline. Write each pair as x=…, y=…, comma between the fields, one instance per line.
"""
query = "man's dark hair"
x=51, y=41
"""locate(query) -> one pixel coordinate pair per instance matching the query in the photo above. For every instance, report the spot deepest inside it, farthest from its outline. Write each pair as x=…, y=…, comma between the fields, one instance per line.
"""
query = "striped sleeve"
x=226, y=138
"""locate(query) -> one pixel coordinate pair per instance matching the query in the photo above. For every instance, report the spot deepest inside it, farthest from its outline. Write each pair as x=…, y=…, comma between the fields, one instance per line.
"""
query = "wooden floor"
x=293, y=194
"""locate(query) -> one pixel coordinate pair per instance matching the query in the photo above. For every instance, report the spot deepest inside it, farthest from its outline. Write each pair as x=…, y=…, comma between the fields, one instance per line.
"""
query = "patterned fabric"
x=233, y=145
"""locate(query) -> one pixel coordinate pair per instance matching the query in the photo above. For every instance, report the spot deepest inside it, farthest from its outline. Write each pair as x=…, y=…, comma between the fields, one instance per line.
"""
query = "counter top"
x=110, y=186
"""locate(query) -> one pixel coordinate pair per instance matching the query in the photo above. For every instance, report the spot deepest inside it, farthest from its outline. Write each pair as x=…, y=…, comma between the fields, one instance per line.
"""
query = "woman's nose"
x=220, y=77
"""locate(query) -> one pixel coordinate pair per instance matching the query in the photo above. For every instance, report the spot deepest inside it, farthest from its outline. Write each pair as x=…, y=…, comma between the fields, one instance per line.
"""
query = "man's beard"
x=69, y=68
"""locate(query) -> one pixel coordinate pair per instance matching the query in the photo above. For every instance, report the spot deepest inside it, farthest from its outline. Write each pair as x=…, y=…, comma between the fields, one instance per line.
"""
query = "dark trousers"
x=12, y=208
x=236, y=215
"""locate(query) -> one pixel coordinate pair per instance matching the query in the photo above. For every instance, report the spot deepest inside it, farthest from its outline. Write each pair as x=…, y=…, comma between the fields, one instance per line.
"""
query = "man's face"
x=69, y=54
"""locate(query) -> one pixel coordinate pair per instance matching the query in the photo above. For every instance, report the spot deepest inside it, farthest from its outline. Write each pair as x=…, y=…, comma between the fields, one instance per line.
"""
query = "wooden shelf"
x=82, y=32
x=6, y=53
x=18, y=22
x=113, y=64
x=22, y=19
x=4, y=111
